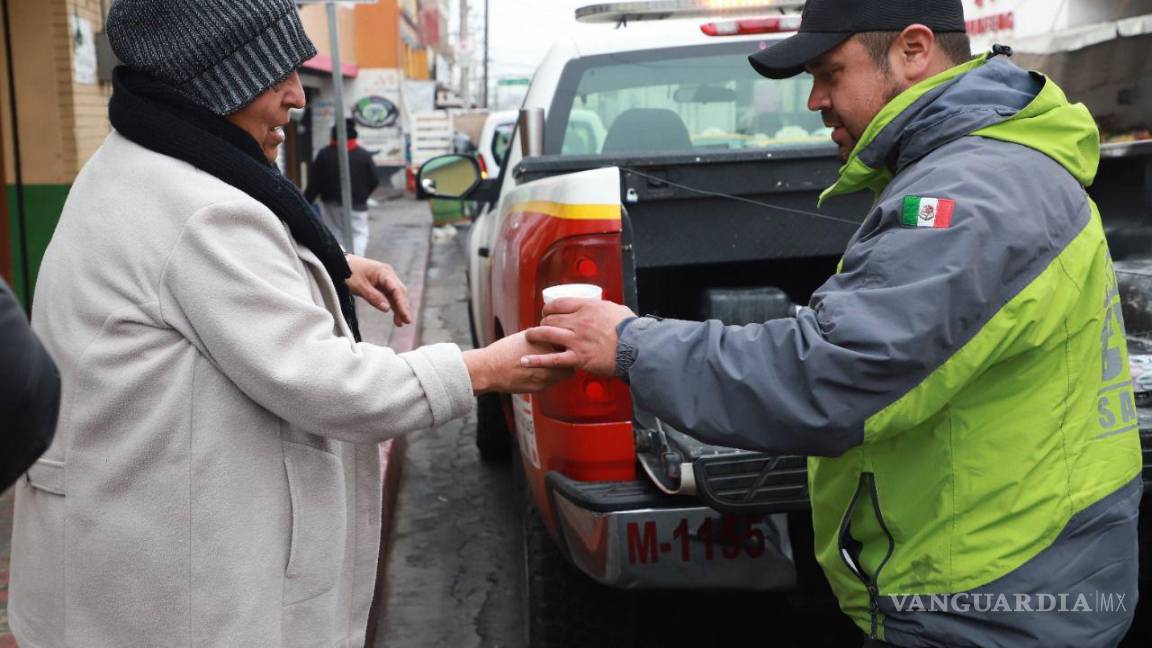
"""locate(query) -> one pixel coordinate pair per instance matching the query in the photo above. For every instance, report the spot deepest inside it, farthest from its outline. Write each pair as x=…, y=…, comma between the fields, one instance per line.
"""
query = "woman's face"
x=264, y=119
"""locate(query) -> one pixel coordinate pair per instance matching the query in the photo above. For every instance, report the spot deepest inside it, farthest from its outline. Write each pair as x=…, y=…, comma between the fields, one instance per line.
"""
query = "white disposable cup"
x=583, y=291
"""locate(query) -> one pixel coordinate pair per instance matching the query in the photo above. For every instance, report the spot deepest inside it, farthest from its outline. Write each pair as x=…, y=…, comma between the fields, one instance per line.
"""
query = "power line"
x=758, y=203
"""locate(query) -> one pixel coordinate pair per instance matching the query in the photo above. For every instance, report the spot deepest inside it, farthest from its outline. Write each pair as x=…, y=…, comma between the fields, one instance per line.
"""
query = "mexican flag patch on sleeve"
x=933, y=213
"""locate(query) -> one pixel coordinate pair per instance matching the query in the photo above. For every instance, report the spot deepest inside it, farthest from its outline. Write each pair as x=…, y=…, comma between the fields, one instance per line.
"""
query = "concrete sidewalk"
x=399, y=235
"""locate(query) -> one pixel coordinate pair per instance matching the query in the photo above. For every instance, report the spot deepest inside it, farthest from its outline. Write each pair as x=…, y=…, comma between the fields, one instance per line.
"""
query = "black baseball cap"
x=826, y=24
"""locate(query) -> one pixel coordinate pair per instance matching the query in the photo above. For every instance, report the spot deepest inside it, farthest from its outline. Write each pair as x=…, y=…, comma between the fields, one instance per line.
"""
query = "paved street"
x=452, y=570
x=398, y=233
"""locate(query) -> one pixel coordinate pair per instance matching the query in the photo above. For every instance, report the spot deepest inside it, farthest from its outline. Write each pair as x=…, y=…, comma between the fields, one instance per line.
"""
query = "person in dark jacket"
x=29, y=392
x=324, y=183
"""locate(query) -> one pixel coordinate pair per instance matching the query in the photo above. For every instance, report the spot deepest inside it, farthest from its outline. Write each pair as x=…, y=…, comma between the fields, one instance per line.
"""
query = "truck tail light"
x=593, y=259
x=483, y=167
x=752, y=26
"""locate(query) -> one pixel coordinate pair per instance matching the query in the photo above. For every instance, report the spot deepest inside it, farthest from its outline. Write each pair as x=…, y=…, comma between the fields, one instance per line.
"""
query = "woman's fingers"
x=562, y=360
x=398, y=297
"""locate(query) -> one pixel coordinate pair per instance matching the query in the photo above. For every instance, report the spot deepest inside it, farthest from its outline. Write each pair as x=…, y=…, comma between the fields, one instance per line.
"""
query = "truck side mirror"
x=531, y=132
x=449, y=176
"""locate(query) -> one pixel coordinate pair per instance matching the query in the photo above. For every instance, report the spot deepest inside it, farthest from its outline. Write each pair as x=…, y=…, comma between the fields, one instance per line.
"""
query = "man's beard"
x=892, y=91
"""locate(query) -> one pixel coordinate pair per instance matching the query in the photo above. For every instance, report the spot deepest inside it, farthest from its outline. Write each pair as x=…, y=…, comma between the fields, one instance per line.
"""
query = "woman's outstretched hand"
x=497, y=367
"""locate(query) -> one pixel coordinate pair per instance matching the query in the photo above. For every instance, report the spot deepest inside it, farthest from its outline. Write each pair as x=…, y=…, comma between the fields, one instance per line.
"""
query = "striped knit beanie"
x=221, y=54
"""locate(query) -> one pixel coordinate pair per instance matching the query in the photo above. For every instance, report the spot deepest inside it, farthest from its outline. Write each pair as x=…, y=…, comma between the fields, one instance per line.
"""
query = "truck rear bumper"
x=631, y=536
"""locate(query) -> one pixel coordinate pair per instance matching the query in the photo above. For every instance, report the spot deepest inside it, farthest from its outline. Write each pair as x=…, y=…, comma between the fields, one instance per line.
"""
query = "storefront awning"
x=323, y=63
x=1077, y=38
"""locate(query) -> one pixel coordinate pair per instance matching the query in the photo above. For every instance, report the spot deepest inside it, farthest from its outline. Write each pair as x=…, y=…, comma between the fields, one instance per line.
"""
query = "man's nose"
x=818, y=100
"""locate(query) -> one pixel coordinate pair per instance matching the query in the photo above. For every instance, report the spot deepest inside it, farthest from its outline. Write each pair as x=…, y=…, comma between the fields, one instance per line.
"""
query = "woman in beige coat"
x=214, y=479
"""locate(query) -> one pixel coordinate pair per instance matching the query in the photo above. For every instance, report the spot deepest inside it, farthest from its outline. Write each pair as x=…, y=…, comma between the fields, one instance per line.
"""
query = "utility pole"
x=341, y=127
x=464, y=58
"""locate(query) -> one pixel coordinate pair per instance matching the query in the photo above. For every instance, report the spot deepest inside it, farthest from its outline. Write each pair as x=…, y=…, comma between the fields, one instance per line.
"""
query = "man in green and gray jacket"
x=962, y=383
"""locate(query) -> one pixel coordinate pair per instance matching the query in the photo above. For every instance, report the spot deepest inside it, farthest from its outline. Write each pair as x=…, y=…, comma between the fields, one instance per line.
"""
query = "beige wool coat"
x=214, y=479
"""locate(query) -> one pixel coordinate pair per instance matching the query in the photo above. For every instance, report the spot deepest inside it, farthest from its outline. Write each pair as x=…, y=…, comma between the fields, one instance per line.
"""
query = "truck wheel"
x=493, y=439
x=563, y=608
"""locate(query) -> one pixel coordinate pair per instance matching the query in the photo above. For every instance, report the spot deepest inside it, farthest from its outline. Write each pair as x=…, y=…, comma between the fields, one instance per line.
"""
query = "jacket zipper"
x=867, y=480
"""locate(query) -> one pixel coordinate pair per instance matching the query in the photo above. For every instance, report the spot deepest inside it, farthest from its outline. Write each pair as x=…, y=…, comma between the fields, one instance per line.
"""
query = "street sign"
x=518, y=81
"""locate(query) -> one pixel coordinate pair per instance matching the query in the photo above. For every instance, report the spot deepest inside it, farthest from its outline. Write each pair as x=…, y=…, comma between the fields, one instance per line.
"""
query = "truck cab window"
x=657, y=102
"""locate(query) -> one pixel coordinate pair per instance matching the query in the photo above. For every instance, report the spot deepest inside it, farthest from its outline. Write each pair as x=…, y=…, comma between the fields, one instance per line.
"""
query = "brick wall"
x=315, y=20
x=61, y=122
x=89, y=103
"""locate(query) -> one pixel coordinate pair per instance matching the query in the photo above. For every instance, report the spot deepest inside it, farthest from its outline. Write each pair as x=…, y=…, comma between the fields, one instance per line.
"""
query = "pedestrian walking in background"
x=324, y=183
x=215, y=477
x=29, y=392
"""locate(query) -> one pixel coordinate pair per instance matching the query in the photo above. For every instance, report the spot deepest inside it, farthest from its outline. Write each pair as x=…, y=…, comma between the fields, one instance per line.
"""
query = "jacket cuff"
x=447, y=387
x=627, y=345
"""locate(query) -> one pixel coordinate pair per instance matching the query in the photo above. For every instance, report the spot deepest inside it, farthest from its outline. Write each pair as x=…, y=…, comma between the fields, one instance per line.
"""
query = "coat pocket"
x=47, y=475
x=36, y=587
x=319, y=522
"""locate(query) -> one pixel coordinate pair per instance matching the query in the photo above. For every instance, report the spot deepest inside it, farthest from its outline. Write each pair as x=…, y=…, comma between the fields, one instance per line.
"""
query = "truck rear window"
x=678, y=100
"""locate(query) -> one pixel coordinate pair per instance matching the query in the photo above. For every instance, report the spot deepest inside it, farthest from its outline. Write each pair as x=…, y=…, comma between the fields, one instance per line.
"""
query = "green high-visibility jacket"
x=961, y=385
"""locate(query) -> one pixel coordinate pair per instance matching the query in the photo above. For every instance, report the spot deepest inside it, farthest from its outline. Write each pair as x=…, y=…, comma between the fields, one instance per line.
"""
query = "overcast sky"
x=523, y=30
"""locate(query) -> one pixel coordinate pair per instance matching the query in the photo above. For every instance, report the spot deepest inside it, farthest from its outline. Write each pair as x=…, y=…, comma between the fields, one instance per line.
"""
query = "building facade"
x=388, y=56
x=53, y=116
x=54, y=91
x=1096, y=51
x=1006, y=21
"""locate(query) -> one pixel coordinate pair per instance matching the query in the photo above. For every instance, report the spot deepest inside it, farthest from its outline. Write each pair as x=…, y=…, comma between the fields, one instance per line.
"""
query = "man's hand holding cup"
x=577, y=320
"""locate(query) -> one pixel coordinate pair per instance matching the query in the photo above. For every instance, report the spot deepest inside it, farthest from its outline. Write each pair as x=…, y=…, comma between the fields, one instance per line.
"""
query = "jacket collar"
x=932, y=113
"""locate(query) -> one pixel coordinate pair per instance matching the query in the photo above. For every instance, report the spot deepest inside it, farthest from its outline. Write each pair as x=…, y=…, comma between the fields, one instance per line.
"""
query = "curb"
x=392, y=451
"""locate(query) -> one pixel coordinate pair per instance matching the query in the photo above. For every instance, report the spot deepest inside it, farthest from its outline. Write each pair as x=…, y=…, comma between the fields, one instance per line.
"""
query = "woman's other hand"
x=378, y=284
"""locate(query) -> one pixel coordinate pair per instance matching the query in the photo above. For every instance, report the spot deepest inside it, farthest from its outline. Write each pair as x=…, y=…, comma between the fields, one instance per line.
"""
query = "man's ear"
x=913, y=54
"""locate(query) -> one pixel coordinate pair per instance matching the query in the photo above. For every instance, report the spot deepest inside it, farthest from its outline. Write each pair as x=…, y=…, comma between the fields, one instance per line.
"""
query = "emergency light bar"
x=752, y=26
x=624, y=12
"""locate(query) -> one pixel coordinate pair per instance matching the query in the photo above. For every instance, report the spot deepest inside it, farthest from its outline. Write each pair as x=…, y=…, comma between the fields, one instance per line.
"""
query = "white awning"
x=1077, y=38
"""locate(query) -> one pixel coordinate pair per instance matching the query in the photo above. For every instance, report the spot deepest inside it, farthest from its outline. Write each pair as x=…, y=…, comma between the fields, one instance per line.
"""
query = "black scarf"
x=155, y=116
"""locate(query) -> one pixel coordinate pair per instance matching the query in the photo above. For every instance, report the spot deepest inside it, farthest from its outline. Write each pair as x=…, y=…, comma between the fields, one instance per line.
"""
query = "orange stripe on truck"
x=567, y=211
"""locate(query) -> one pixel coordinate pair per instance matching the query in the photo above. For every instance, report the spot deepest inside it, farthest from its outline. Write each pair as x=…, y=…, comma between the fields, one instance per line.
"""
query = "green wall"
x=42, y=207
